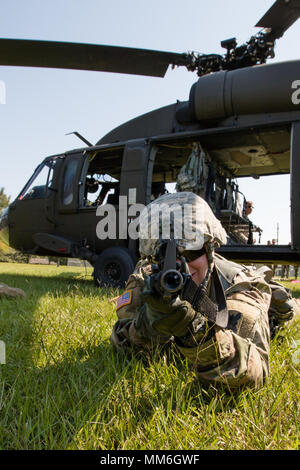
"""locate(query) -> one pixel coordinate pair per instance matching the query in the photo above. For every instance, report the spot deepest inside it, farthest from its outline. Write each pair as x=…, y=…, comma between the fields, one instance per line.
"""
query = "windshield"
x=39, y=182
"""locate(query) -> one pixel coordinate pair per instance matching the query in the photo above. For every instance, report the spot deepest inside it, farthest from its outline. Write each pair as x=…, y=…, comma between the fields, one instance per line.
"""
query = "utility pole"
x=277, y=232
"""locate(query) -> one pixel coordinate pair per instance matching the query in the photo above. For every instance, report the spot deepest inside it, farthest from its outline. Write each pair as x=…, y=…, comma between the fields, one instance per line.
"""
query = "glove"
x=171, y=316
x=282, y=304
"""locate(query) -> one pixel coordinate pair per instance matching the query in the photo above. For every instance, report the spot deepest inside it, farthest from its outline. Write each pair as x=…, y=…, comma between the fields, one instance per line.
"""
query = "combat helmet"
x=184, y=216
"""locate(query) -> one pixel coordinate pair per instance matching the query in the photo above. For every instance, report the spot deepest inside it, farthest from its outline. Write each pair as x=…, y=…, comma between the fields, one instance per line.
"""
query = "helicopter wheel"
x=113, y=267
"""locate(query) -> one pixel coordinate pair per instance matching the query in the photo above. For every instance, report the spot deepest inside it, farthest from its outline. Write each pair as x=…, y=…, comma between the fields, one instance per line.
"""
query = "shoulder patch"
x=124, y=299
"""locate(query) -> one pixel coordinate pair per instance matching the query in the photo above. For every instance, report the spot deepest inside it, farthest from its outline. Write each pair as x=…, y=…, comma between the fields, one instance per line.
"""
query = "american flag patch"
x=124, y=299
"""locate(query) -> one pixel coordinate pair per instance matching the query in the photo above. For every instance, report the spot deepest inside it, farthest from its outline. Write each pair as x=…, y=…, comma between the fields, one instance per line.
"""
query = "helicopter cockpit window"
x=101, y=178
x=101, y=189
x=38, y=185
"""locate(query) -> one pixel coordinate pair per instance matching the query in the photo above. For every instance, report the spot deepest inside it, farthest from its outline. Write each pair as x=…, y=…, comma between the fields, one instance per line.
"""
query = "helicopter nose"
x=4, y=231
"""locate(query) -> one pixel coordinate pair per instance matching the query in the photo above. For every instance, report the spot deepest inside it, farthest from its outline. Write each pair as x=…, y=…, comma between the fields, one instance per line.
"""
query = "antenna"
x=81, y=138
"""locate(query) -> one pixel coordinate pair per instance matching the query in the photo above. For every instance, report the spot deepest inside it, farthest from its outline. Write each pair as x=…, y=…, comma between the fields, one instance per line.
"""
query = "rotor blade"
x=68, y=55
x=281, y=15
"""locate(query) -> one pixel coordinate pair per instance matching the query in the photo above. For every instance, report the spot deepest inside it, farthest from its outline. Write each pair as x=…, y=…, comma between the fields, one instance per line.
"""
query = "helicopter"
x=243, y=134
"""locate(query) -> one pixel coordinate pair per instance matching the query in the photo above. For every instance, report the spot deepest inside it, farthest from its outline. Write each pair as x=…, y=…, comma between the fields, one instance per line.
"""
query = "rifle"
x=168, y=276
x=170, y=279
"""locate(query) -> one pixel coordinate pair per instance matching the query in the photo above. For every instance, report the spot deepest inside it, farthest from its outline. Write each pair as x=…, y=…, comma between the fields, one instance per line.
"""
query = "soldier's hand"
x=169, y=316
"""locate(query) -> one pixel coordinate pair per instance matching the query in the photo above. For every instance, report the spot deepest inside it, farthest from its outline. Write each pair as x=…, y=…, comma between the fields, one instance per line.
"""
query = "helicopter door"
x=71, y=185
x=136, y=177
x=295, y=178
x=32, y=210
x=137, y=166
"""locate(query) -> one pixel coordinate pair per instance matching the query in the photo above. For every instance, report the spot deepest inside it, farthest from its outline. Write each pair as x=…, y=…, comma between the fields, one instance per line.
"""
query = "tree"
x=4, y=200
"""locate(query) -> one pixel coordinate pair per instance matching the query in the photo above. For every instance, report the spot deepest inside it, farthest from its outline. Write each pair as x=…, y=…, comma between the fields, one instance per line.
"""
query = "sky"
x=42, y=105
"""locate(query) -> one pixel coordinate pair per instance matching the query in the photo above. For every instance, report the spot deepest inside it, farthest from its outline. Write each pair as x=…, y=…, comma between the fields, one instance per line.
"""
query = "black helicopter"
x=237, y=134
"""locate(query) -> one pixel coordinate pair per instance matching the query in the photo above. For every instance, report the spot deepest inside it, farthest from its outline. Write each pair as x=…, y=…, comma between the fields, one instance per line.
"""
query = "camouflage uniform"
x=6, y=291
x=285, y=271
x=235, y=355
x=296, y=271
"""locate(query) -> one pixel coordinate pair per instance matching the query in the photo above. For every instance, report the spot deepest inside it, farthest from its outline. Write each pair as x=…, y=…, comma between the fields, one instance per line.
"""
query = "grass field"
x=64, y=387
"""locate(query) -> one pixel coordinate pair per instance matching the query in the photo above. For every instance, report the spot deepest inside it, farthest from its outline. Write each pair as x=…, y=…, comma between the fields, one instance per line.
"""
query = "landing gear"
x=113, y=267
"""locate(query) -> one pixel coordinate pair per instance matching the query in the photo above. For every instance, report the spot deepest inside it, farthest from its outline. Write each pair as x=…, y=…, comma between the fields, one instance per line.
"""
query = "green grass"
x=64, y=387
x=4, y=248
